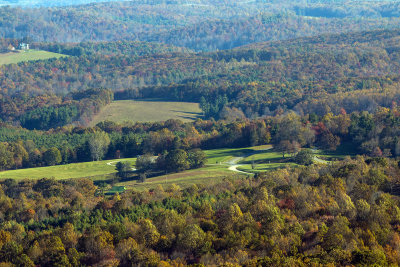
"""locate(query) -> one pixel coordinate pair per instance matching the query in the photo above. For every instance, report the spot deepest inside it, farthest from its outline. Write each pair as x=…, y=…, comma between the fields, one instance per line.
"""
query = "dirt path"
x=233, y=164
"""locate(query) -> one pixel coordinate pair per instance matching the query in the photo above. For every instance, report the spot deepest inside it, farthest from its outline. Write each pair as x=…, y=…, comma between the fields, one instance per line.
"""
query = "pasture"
x=221, y=163
x=28, y=55
x=94, y=169
x=206, y=175
x=147, y=111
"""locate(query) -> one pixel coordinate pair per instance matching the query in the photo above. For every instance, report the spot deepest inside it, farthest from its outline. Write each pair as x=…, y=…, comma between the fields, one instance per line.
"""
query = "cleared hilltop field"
x=74, y=170
x=221, y=163
x=148, y=110
x=22, y=56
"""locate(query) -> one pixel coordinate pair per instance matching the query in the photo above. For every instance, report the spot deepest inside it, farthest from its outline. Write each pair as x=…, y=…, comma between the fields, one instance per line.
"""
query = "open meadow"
x=221, y=163
x=28, y=55
x=209, y=174
x=93, y=169
x=147, y=110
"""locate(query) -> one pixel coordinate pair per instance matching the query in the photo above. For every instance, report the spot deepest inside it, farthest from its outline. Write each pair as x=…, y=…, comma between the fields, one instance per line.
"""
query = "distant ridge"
x=45, y=3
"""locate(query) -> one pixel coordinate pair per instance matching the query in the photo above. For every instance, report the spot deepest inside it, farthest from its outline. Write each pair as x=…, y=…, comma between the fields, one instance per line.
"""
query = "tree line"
x=45, y=112
x=373, y=134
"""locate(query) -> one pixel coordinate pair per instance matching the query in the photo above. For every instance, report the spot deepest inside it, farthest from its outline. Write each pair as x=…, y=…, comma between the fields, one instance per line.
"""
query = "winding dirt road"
x=233, y=166
x=232, y=163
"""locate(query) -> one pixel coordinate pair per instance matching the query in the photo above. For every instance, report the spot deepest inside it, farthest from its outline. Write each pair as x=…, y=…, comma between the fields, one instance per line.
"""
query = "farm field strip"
x=147, y=111
x=16, y=57
x=208, y=174
x=68, y=171
x=222, y=163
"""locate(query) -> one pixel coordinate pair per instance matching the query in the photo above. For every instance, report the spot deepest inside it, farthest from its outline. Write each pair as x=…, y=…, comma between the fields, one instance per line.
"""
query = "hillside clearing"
x=74, y=170
x=147, y=111
x=22, y=56
x=206, y=175
x=221, y=163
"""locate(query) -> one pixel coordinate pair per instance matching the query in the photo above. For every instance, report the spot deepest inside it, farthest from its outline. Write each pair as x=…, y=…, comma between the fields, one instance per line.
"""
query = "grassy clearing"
x=116, y=189
x=252, y=160
x=60, y=172
x=21, y=56
x=265, y=155
x=264, y=159
x=148, y=110
x=217, y=156
x=206, y=175
x=265, y=167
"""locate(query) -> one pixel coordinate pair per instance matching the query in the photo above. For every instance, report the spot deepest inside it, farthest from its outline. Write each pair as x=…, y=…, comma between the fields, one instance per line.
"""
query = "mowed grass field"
x=147, y=110
x=262, y=158
x=21, y=56
x=215, y=170
x=100, y=170
x=206, y=175
x=219, y=156
x=74, y=170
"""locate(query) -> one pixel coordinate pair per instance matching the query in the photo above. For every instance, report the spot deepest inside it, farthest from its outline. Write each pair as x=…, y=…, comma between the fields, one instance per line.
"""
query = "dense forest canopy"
x=307, y=75
x=345, y=214
x=45, y=3
x=199, y=25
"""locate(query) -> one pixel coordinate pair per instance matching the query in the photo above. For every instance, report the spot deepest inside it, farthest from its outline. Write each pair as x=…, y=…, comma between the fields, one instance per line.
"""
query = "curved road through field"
x=233, y=165
x=233, y=162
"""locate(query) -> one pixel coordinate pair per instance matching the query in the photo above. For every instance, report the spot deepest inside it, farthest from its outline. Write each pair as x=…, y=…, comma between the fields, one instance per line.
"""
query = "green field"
x=21, y=56
x=249, y=160
x=100, y=170
x=147, y=110
x=93, y=169
x=219, y=156
x=215, y=170
x=206, y=175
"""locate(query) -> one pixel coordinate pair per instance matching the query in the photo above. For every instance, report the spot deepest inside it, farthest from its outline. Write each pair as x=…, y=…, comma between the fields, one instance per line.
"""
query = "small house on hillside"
x=11, y=48
x=23, y=46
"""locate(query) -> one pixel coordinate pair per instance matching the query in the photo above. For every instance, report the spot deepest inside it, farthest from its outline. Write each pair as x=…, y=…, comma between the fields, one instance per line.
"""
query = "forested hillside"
x=329, y=73
x=201, y=25
x=119, y=48
x=293, y=159
x=45, y=3
x=345, y=214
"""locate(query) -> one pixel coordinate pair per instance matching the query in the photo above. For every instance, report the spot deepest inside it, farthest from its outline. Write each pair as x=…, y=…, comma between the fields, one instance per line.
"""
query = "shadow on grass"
x=187, y=112
x=240, y=152
x=113, y=178
x=265, y=169
x=159, y=100
x=345, y=149
x=275, y=159
x=188, y=118
x=268, y=161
